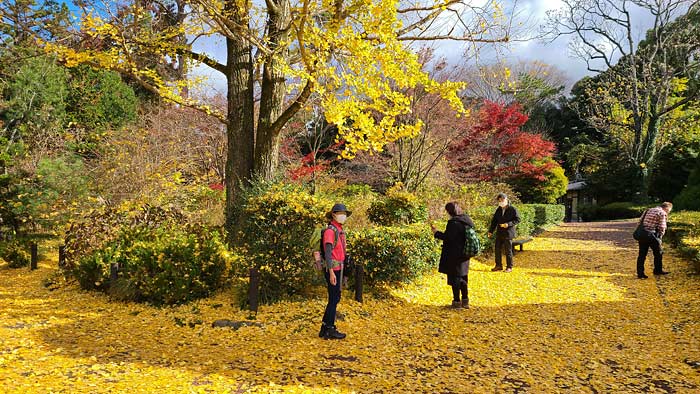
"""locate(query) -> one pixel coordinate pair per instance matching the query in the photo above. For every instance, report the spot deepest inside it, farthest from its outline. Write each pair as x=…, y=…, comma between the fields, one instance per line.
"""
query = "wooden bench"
x=520, y=242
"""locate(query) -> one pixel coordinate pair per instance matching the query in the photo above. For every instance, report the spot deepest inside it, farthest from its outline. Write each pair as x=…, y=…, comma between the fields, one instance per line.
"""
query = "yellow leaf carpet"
x=571, y=318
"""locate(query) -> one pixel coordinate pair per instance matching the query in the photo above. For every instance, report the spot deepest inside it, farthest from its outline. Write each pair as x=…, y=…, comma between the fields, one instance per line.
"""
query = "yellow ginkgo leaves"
x=571, y=317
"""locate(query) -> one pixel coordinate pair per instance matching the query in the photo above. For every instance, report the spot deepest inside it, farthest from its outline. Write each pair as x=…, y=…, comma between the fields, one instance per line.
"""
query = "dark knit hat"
x=501, y=195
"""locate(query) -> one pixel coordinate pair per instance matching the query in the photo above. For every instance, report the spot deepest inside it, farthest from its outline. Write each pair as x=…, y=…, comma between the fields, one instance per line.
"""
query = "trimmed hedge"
x=394, y=254
x=533, y=218
x=689, y=198
x=547, y=215
x=613, y=211
x=684, y=234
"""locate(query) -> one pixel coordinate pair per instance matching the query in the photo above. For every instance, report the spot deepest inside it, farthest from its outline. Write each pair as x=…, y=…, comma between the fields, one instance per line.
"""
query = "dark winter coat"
x=510, y=217
x=453, y=261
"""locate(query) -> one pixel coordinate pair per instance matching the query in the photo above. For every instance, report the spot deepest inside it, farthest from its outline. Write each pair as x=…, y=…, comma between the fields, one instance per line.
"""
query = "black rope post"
x=61, y=256
x=254, y=289
x=359, y=274
x=34, y=249
x=113, y=271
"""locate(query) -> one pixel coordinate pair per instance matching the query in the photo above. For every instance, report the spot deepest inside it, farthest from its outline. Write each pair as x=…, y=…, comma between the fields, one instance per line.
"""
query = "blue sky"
x=532, y=11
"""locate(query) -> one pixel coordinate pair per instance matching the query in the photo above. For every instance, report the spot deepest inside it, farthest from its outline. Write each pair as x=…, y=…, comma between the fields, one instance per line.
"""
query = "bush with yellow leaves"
x=280, y=220
x=13, y=253
x=161, y=258
x=395, y=253
x=397, y=206
x=169, y=264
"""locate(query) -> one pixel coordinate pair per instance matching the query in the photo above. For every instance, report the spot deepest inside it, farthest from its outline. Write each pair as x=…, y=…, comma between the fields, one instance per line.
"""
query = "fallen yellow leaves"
x=572, y=317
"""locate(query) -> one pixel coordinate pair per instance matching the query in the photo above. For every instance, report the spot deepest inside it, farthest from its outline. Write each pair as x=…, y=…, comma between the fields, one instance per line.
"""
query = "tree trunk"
x=240, y=131
x=272, y=95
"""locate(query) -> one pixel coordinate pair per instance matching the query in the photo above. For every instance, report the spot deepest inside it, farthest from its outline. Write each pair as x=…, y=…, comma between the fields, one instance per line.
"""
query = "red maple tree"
x=314, y=162
x=496, y=149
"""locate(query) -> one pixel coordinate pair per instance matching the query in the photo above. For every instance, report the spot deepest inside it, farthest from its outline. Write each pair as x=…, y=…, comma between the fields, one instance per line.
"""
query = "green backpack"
x=316, y=244
x=472, y=245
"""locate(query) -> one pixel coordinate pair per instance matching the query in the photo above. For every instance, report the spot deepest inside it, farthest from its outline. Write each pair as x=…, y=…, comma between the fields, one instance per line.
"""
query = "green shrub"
x=481, y=217
x=688, y=199
x=547, y=214
x=280, y=220
x=613, y=211
x=470, y=196
x=102, y=226
x=161, y=258
x=533, y=217
x=395, y=254
x=546, y=190
x=359, y=198
x=15, y=255
x=684, y=234
x=169, y=264
x=397, y=207
x=527, y=225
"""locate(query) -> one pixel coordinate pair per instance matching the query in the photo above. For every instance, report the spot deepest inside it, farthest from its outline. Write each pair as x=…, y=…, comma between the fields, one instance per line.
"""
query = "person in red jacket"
x=334, y=248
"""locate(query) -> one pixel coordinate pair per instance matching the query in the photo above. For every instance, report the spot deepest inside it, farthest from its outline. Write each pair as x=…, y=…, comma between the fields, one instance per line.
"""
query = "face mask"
x=503, y=203
x=340, y=218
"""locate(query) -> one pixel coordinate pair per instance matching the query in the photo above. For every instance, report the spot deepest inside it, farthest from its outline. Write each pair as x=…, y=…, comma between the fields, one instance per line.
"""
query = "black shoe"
x=333, y=333
x=322, y=333
x=494, y=269
x=661, y=273
x=642, y=276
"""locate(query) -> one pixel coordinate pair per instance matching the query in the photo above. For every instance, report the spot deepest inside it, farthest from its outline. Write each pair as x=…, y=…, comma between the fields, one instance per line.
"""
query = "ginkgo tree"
x=355, y=55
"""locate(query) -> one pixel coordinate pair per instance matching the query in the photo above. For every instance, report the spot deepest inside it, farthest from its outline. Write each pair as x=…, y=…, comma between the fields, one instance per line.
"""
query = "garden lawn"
x=572, y=317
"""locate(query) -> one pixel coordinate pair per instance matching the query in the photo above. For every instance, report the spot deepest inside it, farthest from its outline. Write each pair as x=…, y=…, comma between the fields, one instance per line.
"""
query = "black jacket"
x=452, y=258
x=510, y=216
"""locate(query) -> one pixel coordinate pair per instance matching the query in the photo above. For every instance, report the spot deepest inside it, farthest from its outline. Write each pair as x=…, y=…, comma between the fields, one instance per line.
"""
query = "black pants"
x=460, y=283
x=507, y=245
x=655, y=245
x=333, y=298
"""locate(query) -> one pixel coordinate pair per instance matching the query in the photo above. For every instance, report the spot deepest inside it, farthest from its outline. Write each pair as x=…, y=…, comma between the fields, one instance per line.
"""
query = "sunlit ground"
x=571, y=318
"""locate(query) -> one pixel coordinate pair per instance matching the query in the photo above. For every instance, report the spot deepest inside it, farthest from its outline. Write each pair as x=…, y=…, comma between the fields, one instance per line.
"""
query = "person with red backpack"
x=334, y=253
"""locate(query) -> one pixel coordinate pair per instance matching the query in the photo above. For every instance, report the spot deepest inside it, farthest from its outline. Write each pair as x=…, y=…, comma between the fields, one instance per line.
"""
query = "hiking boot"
x=494, y=269
x=322, y=333
x=509, y=270
x=333, y=333
x=456, y=304
x=661, y=273
x=465, y=304
x=642, y=276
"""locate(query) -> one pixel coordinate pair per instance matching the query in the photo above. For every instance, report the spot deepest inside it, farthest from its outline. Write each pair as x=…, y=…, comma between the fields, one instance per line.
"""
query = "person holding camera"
x=654, y=223
x=503, y=222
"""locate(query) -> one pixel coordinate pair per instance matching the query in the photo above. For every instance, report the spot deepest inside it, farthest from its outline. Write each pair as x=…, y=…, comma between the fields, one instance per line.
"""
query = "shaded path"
x=572, y=317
